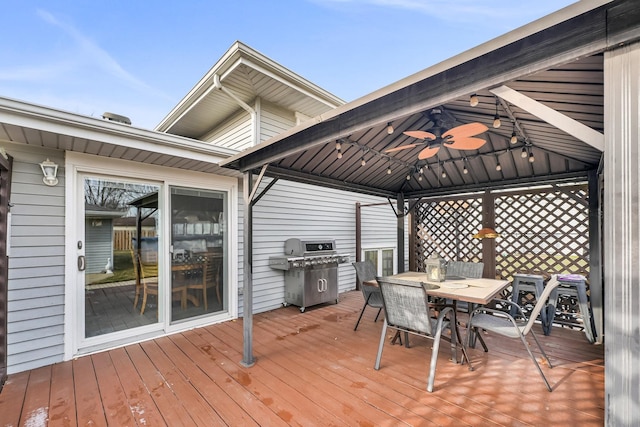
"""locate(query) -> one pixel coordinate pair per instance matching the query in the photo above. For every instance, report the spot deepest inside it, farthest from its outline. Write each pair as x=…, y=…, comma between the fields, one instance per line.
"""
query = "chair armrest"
x=499, y=313
x=513, y=304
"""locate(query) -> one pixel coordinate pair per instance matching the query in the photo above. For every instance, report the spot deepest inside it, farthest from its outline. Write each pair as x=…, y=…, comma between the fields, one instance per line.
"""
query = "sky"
x=139, y=58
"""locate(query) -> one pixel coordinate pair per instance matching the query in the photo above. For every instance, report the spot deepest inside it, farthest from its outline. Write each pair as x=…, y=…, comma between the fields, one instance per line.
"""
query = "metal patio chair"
x=504, y=324
x=366, y=271
x=407, y=310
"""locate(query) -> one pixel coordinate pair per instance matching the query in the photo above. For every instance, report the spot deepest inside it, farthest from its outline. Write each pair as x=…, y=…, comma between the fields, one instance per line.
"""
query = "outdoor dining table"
x=478, y=291
x=475, y=291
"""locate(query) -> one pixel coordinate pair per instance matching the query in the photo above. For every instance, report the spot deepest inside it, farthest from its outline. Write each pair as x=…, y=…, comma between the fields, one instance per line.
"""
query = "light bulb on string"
x=498, y=167
x=531, y=157
x=389, y=128
x=339, y=154
x=338, y=146
x=473, y=100
x=524, y=153
x=363, y=162
x=496, y=118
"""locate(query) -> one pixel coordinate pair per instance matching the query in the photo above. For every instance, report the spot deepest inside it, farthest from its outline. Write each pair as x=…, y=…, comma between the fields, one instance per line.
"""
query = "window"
x=383, y=259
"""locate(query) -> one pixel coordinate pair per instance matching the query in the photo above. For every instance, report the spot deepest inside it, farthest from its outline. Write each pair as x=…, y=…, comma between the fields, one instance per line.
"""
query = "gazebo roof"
x=545, y=79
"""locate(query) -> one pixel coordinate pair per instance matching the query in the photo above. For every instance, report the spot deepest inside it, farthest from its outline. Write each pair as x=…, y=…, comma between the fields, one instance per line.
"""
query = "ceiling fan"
x=441, y=133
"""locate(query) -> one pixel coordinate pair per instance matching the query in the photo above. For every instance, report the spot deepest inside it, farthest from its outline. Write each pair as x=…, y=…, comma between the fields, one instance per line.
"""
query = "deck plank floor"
x=311, y=369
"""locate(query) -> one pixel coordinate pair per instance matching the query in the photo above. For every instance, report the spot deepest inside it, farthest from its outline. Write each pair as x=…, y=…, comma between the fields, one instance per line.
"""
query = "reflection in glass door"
x=198, y=239
x=121, y=280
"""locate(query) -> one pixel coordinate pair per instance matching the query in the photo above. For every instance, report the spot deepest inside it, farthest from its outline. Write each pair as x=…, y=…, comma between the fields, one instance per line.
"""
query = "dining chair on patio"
x=366, y=272
x=147, y=284
x=518, y=327
x=407, y=310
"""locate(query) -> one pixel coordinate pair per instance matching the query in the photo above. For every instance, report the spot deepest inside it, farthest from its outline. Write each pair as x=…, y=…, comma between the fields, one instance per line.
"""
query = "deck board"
x=311, y=369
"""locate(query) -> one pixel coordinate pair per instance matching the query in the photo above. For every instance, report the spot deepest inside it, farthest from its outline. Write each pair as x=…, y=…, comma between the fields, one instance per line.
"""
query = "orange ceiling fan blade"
x=465, y=131
x=402, y=147
x=428, y=152
x=420, y=134
x=466, y=143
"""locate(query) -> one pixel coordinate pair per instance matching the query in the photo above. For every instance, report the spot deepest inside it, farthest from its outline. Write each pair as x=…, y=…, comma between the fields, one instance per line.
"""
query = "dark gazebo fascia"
x=588, y=32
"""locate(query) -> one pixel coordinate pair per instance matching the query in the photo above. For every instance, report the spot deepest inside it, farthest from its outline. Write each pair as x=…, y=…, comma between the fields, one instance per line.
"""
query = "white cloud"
x=94, y=55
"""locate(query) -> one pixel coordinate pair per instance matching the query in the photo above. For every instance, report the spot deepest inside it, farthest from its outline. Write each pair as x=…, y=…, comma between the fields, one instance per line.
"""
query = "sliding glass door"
x=198, y=257
x=120, y=263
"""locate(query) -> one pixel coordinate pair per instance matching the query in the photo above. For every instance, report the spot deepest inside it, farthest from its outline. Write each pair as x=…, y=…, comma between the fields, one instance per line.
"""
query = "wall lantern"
x=49, y=170
x=486, y=233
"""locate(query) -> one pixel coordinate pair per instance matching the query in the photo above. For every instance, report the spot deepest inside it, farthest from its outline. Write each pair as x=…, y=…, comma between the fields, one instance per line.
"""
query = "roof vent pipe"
x=116, y=118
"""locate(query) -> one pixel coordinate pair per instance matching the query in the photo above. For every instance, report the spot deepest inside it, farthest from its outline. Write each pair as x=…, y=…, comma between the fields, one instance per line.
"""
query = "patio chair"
x=148, y=285
x=407, y=310
x=366, y=271
x=502, y=323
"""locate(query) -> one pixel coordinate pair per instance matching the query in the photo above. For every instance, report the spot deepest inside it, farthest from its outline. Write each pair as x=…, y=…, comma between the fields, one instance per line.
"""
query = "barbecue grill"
x=310, y=271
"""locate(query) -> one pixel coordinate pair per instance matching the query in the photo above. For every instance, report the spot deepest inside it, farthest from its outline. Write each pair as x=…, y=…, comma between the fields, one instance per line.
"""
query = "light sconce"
x=473, y=100
x=496, y=118
x=49, y=170
x=389, y=128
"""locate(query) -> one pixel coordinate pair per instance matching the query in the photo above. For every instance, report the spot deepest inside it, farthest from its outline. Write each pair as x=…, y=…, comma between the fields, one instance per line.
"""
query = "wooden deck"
x=312, y=370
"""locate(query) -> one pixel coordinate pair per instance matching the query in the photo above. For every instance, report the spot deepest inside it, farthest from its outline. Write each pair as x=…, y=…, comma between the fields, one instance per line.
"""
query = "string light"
x=464, y=169
x=498, y=167
x=339, y=154
x=389, y=170
x=524, y=154
x=473, y=100
x=363, y=162
x=338, y=145
x=444, y=174
x=389, y=128
x=496, y=118
x=531, y=158
x=514, y=136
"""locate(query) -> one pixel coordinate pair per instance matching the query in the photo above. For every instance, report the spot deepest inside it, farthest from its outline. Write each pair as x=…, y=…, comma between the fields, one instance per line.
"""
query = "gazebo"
x=565, y=90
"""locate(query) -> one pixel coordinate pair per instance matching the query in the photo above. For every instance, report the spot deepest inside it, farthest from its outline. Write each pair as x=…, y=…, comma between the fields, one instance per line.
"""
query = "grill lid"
x=297, y=247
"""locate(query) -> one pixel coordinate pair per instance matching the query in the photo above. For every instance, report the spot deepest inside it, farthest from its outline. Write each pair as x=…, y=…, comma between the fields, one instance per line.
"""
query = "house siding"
x=292, y=209
x=274, y=120
x=101, y=247
x=35, y=318
x=235, y=133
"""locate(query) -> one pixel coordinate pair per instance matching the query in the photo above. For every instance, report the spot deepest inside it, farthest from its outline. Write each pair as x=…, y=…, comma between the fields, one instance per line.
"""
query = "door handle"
x=81, y=263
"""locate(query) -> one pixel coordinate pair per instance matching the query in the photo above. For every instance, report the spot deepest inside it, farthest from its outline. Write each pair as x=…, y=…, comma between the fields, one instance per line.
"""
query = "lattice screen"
x=445, y=228
x=543, y=232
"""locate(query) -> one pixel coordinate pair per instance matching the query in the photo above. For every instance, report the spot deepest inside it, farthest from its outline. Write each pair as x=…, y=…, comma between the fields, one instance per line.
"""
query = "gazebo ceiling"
x=548, y=88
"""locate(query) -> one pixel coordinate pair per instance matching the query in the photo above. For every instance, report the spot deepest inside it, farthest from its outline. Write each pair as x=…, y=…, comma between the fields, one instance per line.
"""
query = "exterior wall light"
x=49, y=170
